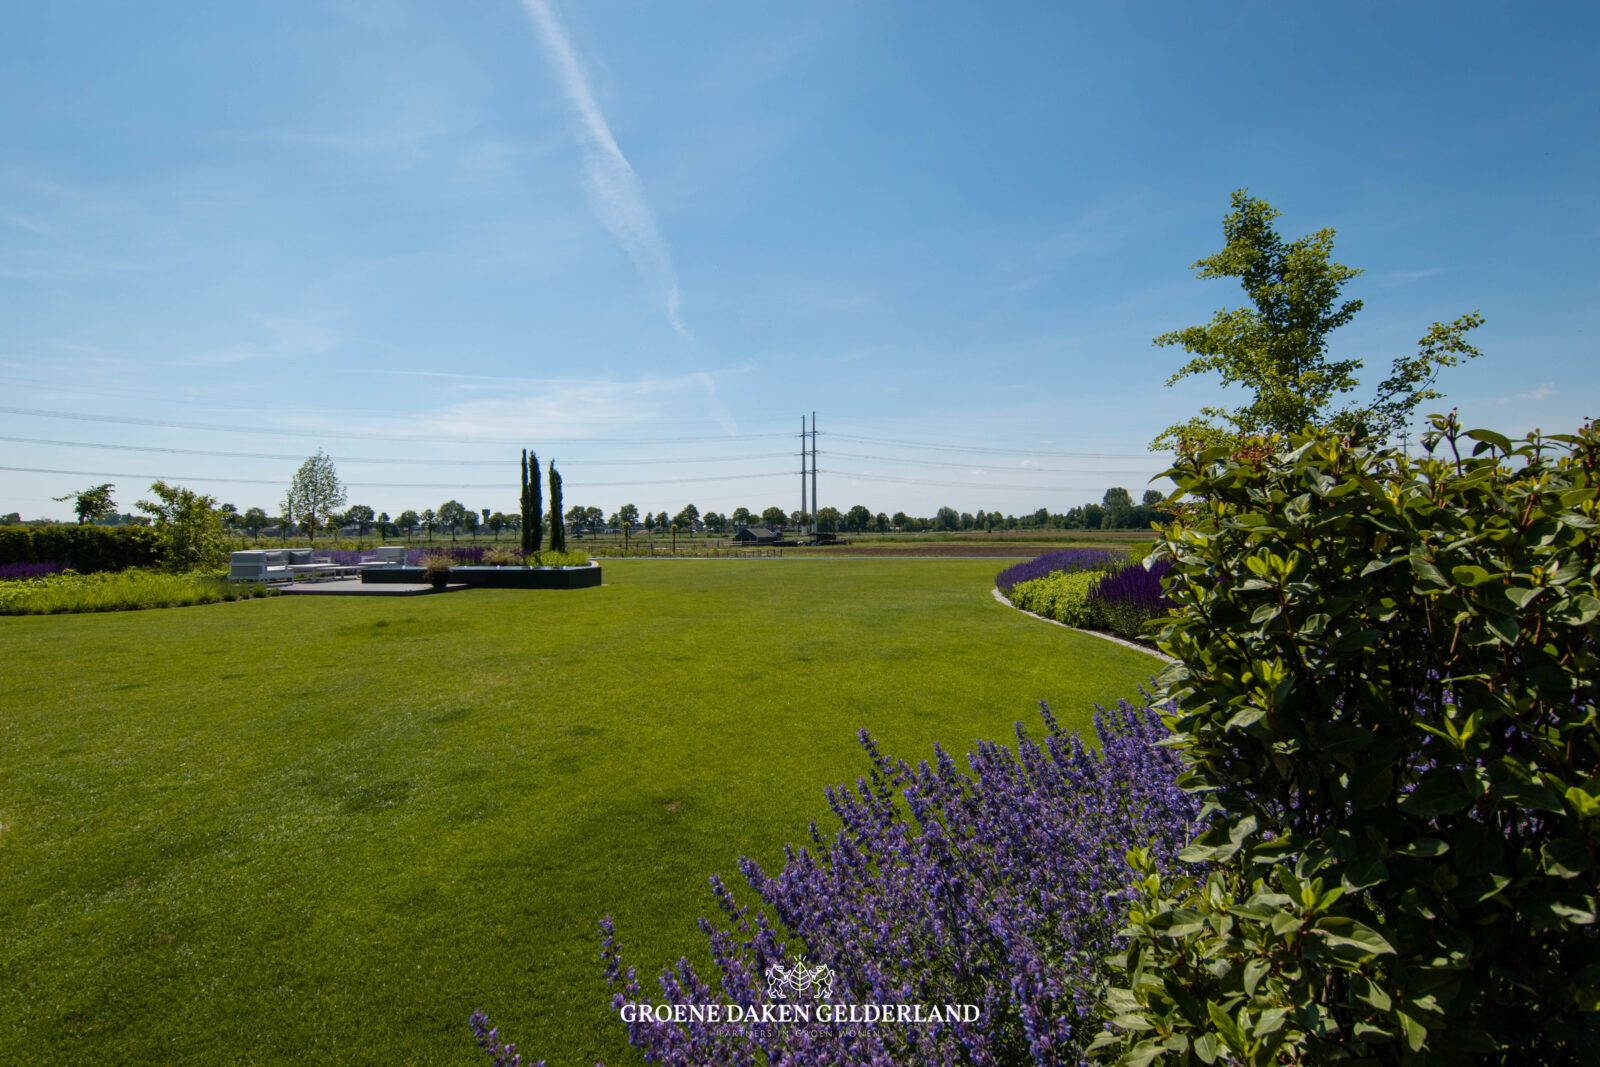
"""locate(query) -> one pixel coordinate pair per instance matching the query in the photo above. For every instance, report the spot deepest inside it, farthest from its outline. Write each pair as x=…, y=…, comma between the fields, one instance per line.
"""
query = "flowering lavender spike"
x=998, y=887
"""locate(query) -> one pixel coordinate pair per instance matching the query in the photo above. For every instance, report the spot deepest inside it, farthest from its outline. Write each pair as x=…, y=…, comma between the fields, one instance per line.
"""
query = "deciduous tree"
x=452, y=513
x=1118, y=502
x=92, y=503
x=188, y=525
x=360, y=516
x=314, y=494
x=1278, y=349
x=254, y=521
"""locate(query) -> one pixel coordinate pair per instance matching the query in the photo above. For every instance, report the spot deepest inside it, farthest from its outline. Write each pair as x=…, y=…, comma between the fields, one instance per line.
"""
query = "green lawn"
x=331, y=828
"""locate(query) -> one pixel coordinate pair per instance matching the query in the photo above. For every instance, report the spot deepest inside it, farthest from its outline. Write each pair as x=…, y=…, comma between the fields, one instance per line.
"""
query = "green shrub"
x=130, y=590
x=1386, y=697
x=188, y=526
x=552, y=558
x=83, y=548
x=1062, y=596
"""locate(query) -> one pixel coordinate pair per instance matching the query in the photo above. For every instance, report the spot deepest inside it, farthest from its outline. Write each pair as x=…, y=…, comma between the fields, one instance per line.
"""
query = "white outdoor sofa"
x=268, y=565
x=254, y=566
x=386, y=556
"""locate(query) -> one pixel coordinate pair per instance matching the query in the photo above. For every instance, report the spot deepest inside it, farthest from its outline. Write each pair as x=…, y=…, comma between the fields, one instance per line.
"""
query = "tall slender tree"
x=533, y=515
x=558, y=531
x=526, y=500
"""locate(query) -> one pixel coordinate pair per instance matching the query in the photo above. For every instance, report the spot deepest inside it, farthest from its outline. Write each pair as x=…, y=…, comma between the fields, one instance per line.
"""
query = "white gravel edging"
x=998, y=595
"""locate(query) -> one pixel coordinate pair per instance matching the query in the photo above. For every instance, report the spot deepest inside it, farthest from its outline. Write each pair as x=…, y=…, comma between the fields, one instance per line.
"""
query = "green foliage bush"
x=1386, y=696
x=1127, y=621
x=187, y=526
x=130, y=590
x=564, y=558
x=1062, y=596
x=83, y=548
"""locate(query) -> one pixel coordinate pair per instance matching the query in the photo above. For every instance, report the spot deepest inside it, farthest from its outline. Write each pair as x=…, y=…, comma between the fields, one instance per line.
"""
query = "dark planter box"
x=494, y=577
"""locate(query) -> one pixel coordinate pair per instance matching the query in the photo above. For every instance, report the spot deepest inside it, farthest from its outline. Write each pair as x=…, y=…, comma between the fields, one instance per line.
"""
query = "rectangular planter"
x=494, y=577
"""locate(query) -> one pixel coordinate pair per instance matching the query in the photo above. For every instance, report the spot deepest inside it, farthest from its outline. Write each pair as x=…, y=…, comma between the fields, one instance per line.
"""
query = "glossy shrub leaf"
x=1422, y=776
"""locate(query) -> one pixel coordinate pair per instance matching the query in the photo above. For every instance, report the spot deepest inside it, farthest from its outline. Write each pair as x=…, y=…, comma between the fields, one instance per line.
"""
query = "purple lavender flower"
x=14, y=571
x=999, y=886
x=1071, y=559
x=1129, y=596
x=489, y=1040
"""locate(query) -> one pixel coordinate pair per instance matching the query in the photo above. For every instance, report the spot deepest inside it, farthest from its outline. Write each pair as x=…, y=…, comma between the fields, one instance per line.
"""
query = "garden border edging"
x=998, y=595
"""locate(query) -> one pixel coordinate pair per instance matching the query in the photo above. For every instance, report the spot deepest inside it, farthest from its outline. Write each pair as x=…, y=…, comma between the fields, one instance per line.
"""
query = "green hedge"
x=1060, y=595
x=1387, y=698
x=83, y=548
x=126, y=591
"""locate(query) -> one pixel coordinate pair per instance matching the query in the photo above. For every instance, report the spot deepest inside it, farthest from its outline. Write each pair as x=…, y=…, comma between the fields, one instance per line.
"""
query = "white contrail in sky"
x=613, y=187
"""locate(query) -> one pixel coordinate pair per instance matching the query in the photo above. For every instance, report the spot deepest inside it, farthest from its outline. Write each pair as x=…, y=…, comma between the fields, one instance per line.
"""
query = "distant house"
x=757, y=535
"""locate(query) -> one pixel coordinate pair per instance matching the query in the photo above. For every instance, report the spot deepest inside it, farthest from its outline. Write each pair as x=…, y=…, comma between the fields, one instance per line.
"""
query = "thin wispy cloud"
x=23, y=223
x=550, y=408
x=614, y=189
x=1548, y=389
x=1406, y=277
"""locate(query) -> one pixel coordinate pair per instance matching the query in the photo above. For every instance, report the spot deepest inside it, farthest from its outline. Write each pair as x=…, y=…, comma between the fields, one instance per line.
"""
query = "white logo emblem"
x=799, y=980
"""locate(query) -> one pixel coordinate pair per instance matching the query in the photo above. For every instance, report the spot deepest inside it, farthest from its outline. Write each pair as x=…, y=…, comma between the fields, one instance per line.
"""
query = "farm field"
x=331, y=828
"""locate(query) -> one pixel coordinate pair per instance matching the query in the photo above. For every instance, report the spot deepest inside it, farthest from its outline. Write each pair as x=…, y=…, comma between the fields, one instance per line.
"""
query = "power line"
x=971, y=485
x=423, y=438
x=391, y=485
x=996, y=451
x=129, y=420
x=55, y=389
x=968, y=466
x=390, y=460
x=152, y=477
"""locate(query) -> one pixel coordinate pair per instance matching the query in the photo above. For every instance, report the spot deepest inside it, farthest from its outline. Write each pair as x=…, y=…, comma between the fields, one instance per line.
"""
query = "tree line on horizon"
x=1116, y=511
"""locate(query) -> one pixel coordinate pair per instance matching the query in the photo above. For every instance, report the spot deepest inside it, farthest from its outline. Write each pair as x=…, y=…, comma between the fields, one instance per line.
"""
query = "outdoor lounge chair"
x=258, y=566
x=386, y=556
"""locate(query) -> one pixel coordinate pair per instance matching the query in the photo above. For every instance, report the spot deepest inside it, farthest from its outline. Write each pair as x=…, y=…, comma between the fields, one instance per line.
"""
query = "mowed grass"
x=330, y=828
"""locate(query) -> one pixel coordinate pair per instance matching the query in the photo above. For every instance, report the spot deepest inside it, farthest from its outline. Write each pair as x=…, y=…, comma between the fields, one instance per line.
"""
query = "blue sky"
x=646, y=238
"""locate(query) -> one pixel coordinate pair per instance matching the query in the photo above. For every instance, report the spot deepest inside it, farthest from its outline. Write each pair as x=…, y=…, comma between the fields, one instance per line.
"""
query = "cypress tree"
x=525, y=501
x=558, y=532
x=535, y=520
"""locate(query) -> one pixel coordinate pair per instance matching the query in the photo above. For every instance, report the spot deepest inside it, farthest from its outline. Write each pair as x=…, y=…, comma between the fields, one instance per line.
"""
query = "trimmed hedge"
x=1063, y=597
x=1387, y=701
x=83, y=548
